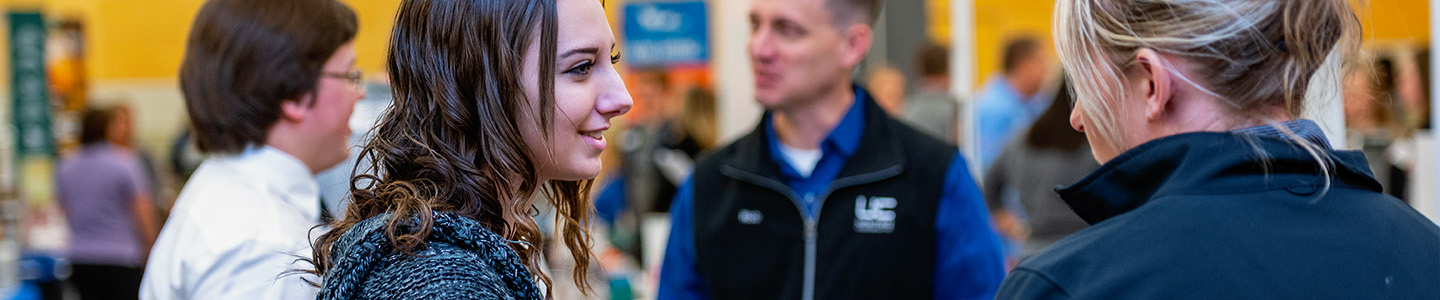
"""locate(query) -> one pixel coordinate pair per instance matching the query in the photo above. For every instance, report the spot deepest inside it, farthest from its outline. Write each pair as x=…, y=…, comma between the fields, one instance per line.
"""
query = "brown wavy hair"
x=451, y=141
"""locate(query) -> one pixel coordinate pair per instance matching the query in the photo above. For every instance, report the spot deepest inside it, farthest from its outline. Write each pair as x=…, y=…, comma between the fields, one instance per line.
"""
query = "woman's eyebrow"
x=587, y=50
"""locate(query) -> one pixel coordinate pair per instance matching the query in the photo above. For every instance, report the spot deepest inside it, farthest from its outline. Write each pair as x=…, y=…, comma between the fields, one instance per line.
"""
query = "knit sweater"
x=461, y=260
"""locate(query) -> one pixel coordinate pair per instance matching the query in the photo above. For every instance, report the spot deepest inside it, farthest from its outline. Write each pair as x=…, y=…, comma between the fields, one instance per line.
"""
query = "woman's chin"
x=578, y=171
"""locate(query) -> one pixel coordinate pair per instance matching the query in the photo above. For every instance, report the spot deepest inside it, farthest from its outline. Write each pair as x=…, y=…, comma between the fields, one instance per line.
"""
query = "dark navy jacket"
x=1203, y=216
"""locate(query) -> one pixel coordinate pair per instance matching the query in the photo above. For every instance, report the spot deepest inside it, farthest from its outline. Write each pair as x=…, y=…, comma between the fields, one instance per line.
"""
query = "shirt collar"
x=846, y=135
x=843, y=140
x=280, y=173
x=1303, y=128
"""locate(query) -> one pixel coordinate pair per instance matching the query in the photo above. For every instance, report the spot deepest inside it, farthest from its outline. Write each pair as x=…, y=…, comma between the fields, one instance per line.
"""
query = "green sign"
x=29, y=90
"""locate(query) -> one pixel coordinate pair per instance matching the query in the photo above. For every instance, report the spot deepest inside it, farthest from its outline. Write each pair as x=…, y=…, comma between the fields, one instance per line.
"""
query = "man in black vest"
x=828, y=198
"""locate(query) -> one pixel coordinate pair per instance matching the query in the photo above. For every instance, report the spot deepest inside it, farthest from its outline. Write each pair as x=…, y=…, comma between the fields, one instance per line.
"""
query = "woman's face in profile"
x=588, y=92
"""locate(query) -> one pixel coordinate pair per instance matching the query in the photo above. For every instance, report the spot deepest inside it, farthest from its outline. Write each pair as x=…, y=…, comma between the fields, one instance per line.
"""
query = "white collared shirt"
x=236, y=231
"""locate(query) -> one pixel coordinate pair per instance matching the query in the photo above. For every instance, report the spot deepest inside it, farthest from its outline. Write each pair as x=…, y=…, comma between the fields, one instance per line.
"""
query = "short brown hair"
x=933, y=60
x=244, y=57
x=854, y=11
x=1019, y=50
x=95, y=123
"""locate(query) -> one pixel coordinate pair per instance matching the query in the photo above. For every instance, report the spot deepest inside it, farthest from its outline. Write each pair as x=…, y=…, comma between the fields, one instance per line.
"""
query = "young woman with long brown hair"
x=495, y=102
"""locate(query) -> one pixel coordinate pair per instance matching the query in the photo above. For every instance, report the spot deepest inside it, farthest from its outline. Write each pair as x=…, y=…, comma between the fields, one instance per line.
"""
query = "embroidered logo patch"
x=750, y=217
x=875, y=215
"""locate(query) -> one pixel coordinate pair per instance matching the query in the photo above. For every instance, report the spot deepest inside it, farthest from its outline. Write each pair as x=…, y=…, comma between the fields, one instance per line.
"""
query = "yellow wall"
x=376, y=17
x=1396, y=20
x=146, y=39
x=997, y=21
x=133, y=52
x=1384, y=21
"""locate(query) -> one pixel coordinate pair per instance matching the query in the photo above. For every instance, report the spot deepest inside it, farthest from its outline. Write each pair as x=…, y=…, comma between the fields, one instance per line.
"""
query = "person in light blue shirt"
x=1009, y=101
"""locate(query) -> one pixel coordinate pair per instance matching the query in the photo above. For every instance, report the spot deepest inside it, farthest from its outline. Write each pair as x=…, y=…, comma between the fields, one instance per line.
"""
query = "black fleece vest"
x=873, y=238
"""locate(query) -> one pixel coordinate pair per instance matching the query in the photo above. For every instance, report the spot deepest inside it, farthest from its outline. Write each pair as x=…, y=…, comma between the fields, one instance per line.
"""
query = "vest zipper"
x=812, y=231
x=811, y=236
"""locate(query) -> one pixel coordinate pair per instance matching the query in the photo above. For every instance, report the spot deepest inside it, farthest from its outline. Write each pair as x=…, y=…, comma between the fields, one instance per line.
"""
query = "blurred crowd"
x=678, y=208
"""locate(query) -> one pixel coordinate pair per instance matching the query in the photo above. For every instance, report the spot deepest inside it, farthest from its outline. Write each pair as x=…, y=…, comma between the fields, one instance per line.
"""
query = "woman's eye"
x=582, y=68
x=615, y=58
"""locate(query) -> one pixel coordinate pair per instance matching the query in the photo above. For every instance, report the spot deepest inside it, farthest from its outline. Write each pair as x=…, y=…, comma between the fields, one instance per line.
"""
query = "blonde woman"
x=1212, y=186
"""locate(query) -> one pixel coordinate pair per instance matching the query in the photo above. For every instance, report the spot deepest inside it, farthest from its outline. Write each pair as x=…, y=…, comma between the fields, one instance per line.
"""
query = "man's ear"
x=295, y=110
x=1157, y=80
x=857, y=39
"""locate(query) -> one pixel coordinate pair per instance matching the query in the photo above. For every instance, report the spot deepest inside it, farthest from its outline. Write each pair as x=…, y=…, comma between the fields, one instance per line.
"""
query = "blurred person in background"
x=1211, y=184
x=124, y=137
x=638, y=184
x=655, y=169
x=1049, y=154
x=646, y=133
x=106, y=197
x=495, y=102
x=1009, y=101
x=269, y=86
x=655, y=98
x=696, y=132
x=887, y=84
x=902, y=219
x=932, y=108
x=1411, y=83
x=1374, y=120
x=184, y=156
x=1423, y=88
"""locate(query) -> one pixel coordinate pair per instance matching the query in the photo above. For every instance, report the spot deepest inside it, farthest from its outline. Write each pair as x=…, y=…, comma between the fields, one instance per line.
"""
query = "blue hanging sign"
x=668, y=33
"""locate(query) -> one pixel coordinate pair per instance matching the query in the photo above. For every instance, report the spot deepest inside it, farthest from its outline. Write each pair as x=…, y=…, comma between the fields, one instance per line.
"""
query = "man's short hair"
x=933, y=60
x=1019, y=50
x=854, y=11
x=244, y=57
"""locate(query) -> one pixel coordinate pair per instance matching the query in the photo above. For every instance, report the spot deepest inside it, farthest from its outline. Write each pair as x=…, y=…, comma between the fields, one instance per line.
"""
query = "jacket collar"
x=878, y=152
x=364, y=249
x=1210, y=163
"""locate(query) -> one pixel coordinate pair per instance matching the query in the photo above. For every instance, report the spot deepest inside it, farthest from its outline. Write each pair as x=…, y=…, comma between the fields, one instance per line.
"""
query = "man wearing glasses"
x=269, y=86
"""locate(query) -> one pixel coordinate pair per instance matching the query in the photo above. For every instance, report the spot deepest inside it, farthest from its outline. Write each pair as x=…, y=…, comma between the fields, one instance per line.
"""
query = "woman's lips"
x=596, y=138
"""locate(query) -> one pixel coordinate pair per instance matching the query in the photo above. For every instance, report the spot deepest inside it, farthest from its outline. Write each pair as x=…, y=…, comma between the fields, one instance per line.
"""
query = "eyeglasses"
x=355, y=77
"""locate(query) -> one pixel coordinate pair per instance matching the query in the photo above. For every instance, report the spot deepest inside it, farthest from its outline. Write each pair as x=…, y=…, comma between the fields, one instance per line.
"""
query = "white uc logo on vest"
x=877, y=215
x=750, y=216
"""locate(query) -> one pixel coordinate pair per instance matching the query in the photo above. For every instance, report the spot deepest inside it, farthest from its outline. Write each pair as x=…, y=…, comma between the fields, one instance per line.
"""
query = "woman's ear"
x=1156, y=76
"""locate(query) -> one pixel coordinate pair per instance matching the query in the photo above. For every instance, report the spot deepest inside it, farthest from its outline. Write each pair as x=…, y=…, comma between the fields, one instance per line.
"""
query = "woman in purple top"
x=105, y=196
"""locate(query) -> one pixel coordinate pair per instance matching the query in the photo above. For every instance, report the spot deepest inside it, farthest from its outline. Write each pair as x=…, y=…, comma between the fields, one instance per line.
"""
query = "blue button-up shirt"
x=969, y=260
x=837, y=147
x=1001, y=114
